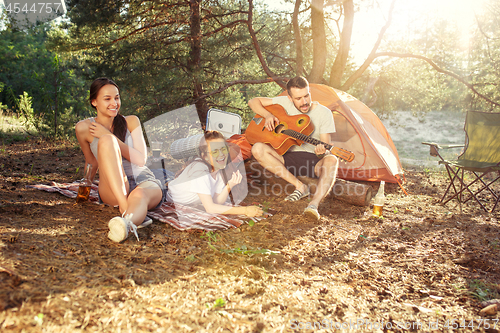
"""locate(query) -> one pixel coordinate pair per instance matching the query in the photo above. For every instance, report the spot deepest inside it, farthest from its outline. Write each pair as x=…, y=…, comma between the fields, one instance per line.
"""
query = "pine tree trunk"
x=195, y=59
x=339, y=65
x=298, y=39
x=319, y=42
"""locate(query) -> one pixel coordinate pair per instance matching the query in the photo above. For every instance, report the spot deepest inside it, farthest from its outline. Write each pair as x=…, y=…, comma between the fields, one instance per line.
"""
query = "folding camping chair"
x=479, y=162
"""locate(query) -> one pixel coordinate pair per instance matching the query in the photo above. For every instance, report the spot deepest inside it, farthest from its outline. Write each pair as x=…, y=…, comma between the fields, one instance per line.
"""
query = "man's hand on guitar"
x=271, y=122
x=320, y=149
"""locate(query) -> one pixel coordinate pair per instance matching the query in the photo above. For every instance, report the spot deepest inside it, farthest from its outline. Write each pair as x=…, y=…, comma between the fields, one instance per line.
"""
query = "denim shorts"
x=144, y=176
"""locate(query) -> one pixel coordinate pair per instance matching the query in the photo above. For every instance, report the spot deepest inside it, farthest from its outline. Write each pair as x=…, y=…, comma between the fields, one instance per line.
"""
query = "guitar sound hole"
x=301, y=121
x=280, y=128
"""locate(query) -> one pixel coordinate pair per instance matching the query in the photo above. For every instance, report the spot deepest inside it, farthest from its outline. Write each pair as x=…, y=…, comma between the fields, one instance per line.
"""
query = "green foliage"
x=190, y=258
x=39, y=319
x=211, y=236
x=484, y=61
x=2, y=106
x=57, y=94
x=148, y=49
x=24, y=105
x=219, y=303
x=157, y=68
x=11, y=129
x=483, y=291
x=412, y=84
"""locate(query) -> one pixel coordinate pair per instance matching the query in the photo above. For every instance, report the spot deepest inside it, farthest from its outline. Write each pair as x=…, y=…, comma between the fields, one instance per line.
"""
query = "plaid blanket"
x=178, y=216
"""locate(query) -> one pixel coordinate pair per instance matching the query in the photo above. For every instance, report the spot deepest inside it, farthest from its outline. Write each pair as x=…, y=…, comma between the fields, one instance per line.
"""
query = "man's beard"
x=304, y=105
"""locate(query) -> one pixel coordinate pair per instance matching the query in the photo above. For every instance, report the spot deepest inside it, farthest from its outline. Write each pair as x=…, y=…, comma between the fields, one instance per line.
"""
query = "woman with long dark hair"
x=115, y=145
x=201, y=183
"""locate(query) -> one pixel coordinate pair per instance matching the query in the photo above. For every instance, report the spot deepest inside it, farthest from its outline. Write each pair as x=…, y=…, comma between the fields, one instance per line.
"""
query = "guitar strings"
x=313, y=141
x=306, y=138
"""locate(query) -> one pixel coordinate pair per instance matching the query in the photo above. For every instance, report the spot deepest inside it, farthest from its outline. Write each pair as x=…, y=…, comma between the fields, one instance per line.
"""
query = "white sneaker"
x=311, y=211
x=147, y=221
x=119, y=228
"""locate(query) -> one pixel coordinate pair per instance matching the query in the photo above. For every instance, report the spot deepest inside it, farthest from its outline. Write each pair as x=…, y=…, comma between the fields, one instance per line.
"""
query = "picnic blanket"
x=178, y=216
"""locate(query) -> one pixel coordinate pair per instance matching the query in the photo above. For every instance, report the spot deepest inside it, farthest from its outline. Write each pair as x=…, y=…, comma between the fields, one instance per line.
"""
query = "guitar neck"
x=306, y=138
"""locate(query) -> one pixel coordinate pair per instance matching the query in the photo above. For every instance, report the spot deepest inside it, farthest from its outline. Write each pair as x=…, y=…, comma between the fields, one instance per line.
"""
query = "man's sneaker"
x=119, y=228
x=311, y=211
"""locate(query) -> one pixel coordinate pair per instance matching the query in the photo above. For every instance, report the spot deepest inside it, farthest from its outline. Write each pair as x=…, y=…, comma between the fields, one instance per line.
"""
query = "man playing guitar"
x=304, y=160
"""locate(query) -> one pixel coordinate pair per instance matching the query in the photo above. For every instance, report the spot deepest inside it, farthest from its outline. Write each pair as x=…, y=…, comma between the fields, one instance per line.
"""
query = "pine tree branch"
x=439, y=70
x=256, y=45
x=298, y=38
x=229, y=25
x=146, y=28
x=372, y=54
x=232, y=83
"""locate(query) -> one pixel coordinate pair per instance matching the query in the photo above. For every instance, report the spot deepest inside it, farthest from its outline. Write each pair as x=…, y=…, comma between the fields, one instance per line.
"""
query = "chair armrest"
x=434, y=148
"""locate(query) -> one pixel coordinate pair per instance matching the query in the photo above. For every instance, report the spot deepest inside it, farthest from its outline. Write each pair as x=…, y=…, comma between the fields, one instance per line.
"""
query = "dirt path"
x=420, y=266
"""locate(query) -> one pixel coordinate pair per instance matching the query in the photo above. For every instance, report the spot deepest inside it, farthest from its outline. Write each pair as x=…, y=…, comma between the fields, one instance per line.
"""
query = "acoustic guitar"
x=291, y=131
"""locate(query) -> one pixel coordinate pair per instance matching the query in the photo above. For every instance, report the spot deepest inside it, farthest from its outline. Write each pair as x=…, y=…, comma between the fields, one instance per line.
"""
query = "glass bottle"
x=85, y=184
x=378, y=204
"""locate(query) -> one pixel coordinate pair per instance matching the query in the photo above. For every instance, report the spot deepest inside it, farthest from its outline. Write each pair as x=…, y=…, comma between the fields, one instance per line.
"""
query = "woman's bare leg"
x=113, y=186
x=145, y=196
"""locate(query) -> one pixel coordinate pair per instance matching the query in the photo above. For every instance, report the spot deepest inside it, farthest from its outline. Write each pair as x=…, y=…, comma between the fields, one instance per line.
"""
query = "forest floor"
x=422, y=267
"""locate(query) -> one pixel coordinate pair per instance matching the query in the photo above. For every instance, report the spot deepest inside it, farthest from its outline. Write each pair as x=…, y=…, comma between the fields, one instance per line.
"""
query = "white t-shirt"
x=195, y=179
x=321, y=118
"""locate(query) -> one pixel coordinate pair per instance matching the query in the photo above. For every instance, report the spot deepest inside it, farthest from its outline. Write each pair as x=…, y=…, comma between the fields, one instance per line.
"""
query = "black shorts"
x=301, y=163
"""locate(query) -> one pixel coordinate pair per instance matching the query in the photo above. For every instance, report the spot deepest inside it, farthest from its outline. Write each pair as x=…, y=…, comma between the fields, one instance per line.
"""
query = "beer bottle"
x=85, y=184
x=378, y=203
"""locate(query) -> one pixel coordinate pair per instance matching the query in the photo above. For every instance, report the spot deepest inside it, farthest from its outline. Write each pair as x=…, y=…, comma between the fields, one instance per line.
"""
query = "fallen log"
x=351, y=192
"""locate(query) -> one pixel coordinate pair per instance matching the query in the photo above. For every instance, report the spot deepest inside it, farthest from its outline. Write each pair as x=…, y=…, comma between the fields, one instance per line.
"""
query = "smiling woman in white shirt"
x=115, y=144
x=200, y=184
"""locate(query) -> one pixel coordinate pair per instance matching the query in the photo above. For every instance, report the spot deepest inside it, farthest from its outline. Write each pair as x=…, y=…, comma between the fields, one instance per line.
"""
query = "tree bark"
x=340, y=62
x=372, y=54
x=319, y=42
x=352, y=193
x=195, y=58
x=298, y=39
x=256, y=45
x=56, y=102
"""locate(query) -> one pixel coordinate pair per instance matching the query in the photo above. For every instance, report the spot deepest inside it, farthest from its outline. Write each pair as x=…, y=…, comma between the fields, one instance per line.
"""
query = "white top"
x=195, y=179
x=321, y=118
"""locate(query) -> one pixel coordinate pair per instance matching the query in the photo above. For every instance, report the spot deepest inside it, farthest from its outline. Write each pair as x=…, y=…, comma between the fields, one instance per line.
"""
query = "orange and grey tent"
x=359, y=130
